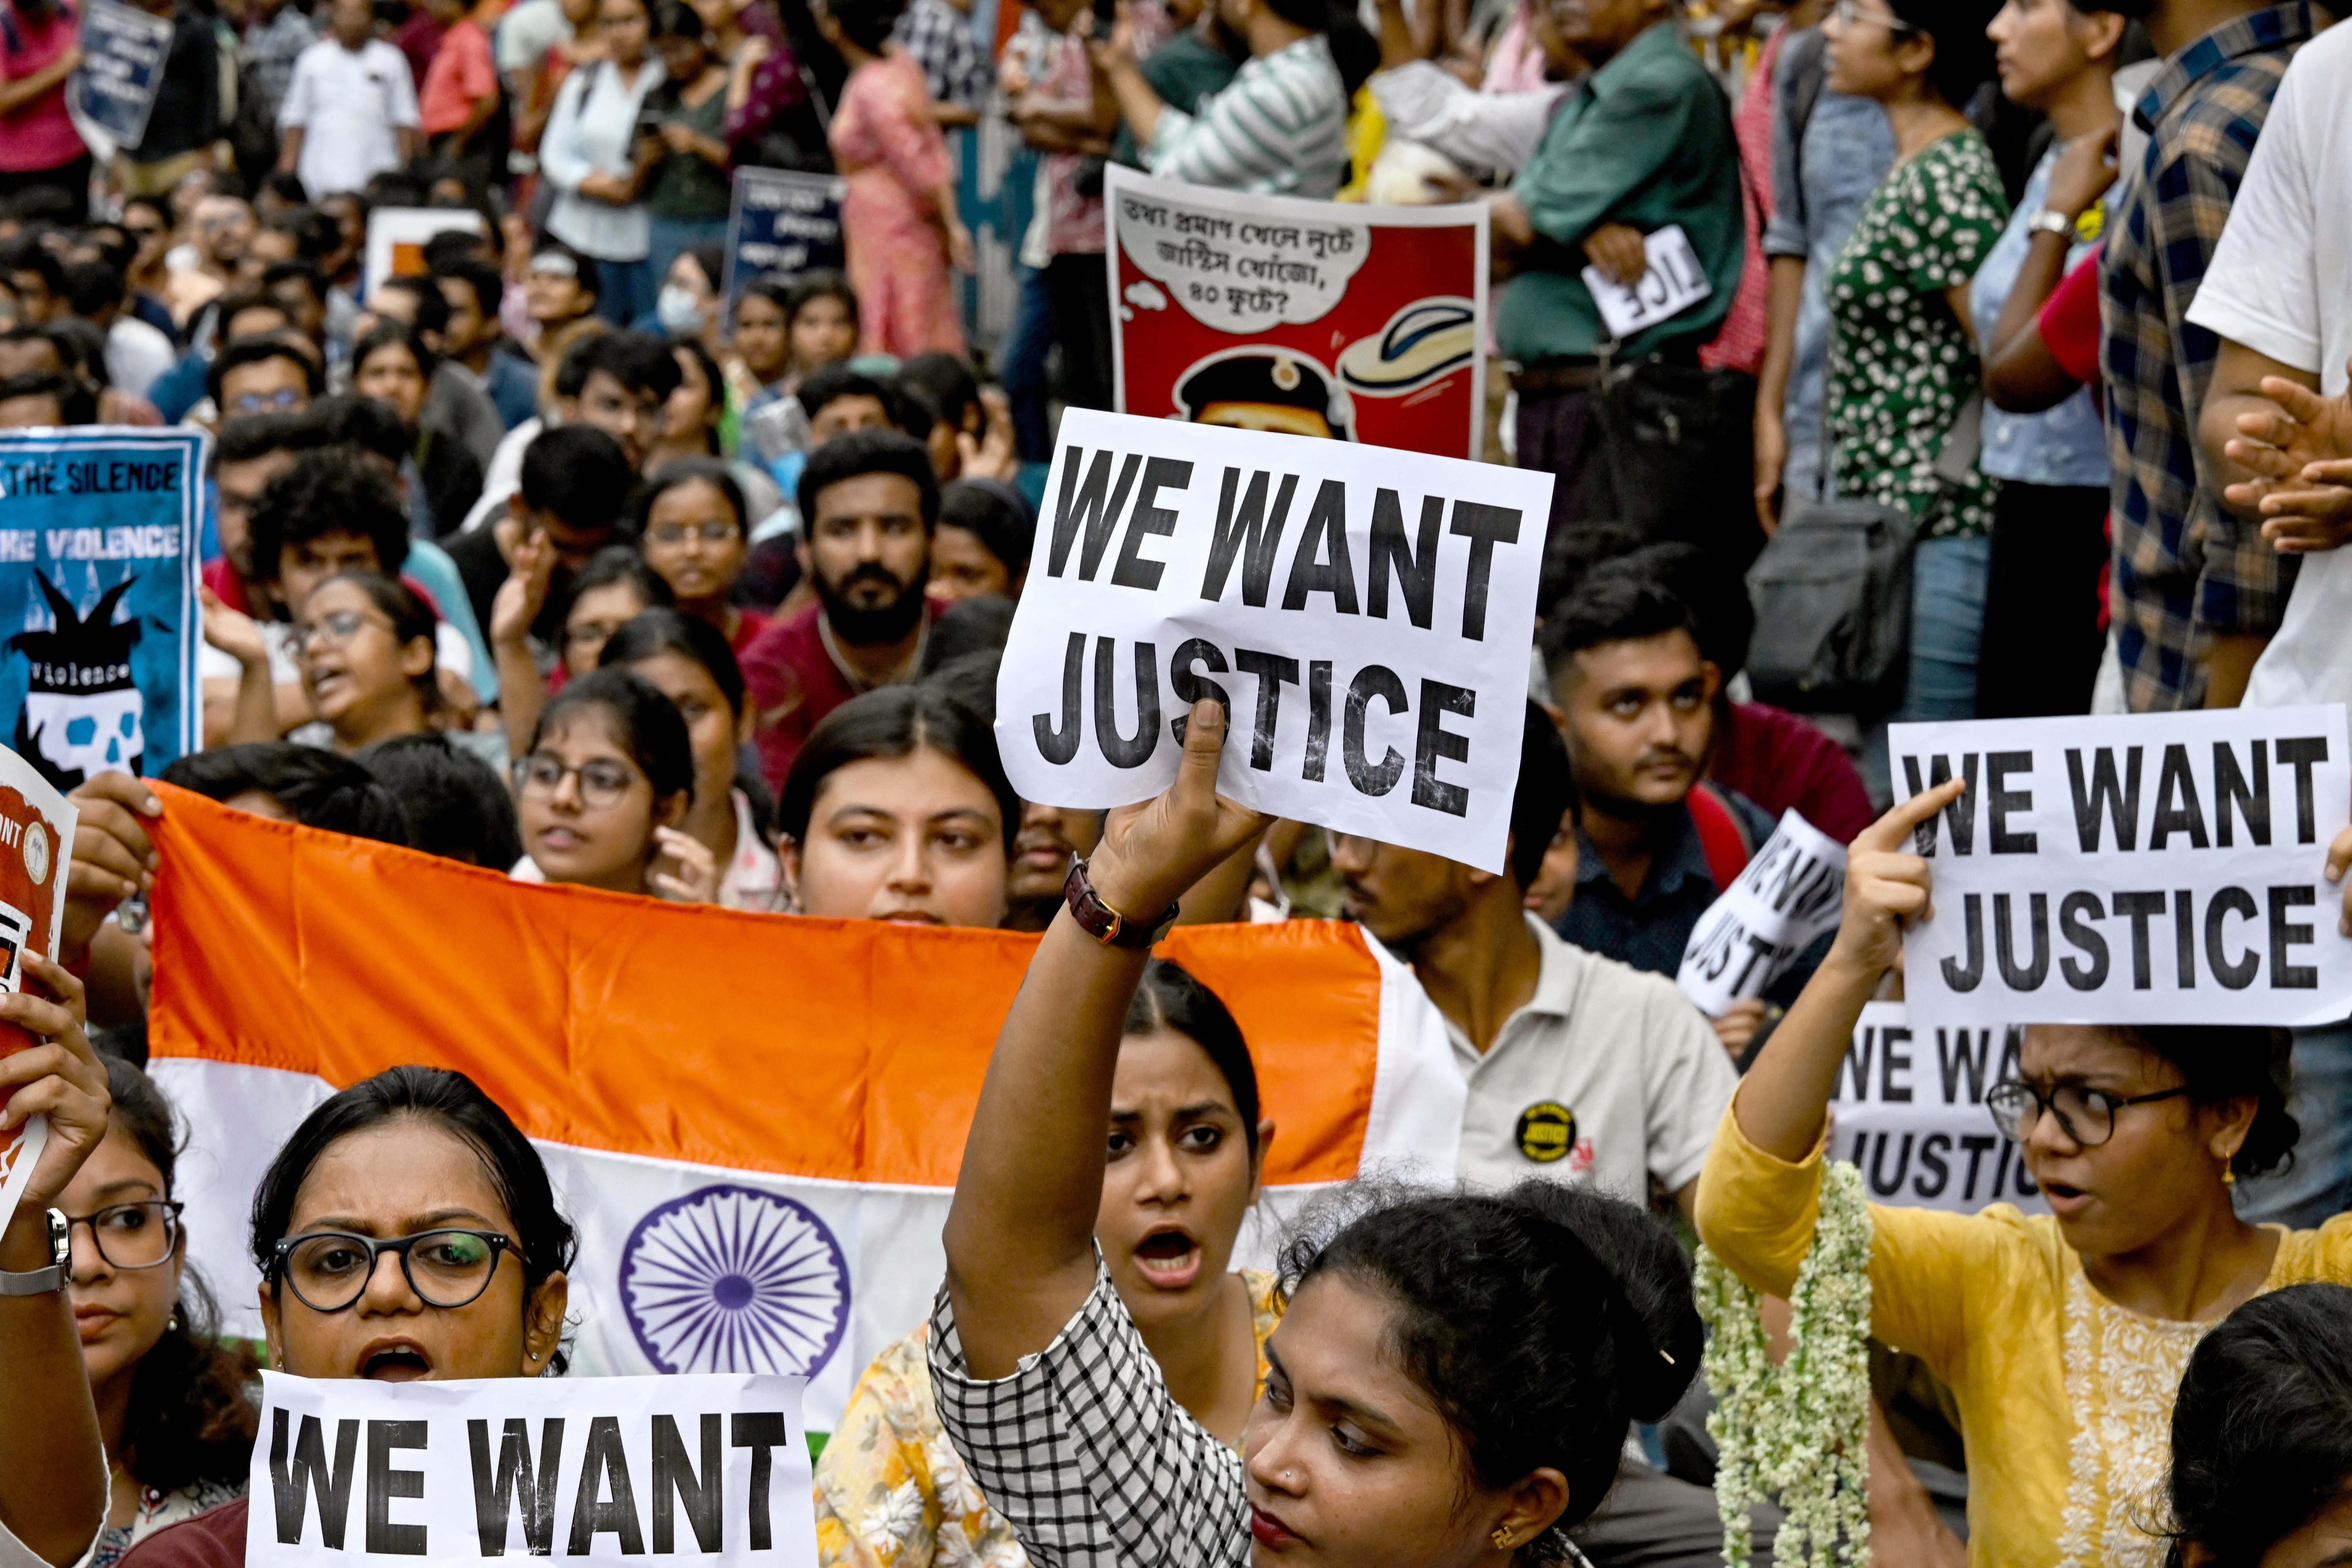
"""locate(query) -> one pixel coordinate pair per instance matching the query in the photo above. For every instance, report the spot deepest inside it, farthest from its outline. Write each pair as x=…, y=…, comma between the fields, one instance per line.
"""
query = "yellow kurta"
x=891, y=1491
x=2065, y=1399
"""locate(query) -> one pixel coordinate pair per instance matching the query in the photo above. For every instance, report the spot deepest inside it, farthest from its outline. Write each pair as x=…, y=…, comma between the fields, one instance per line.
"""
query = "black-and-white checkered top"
x=1083, y=1451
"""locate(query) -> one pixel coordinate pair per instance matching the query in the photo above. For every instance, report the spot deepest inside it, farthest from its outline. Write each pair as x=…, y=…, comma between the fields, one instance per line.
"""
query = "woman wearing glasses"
x=366, y=646
x=170, y=1397
x=604, y=788
x=2063, y=1338
x=687, y=662
x=695, y=537
x=407, y=1231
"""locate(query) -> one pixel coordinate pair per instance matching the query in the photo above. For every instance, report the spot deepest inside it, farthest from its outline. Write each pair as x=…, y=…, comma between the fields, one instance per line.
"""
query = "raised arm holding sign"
x=2131, y=1131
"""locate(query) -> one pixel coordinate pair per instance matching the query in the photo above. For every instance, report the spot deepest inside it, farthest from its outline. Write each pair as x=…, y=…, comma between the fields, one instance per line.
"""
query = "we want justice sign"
x=2149, y=869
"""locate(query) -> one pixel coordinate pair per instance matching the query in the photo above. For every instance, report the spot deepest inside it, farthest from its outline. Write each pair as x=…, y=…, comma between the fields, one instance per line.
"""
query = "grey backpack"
x=1832, y=595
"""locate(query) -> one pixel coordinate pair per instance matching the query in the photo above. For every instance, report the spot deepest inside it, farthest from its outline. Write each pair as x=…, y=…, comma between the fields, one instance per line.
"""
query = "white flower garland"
x=1800, y=1429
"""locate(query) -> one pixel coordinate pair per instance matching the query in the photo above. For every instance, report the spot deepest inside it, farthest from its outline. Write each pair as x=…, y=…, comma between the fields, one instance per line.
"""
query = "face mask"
x=677, y=309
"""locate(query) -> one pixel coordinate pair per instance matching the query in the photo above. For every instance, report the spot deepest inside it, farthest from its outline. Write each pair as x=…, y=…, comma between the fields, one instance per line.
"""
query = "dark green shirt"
x=686, y=186
x=1186, y=73
x=1644, y=140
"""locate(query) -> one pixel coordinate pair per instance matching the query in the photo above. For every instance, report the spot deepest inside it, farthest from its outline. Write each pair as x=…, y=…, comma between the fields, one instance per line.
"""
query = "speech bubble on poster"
x=1327, y=319
x=1363, y=614
x=1242, y=272
x=2149, y=868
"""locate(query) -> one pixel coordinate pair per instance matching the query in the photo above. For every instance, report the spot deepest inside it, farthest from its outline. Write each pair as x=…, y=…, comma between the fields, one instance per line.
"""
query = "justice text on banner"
x=1327, y=319
x=1908, y=1111
x=2147, y=869
x=709, y=1470
x=99, y=624
x=1790, y=891
x=1364, y=615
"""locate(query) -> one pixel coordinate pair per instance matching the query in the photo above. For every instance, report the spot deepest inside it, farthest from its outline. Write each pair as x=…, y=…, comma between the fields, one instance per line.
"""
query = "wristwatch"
x=2049, y=220
x=56, y=1276
x=1106, y=925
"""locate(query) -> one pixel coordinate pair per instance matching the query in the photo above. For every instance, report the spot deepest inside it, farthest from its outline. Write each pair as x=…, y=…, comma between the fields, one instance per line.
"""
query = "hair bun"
x=1647, y=1276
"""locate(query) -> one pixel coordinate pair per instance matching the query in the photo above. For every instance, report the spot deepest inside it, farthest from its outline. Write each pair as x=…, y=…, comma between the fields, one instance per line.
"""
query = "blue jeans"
x=2318, y=1184
x=672, y=235
x=1948, y=595
x=624, y=289
x=1021, y=366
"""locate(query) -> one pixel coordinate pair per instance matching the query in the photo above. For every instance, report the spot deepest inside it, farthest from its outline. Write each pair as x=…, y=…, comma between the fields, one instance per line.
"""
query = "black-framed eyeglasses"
x=2087, y=1116
x=139, y=1235
x=602, y=783
x=330, y=1270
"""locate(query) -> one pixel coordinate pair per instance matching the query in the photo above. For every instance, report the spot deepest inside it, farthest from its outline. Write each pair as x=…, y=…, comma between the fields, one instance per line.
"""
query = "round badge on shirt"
x=1547, y=1131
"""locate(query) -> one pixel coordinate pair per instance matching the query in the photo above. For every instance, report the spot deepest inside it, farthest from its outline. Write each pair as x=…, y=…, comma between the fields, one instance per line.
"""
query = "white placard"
x=2158, y=868
x=37, y=836
x=689, y=1469
x=1908, y=1110
x=1365, y=613
x=1671, y=283
x=1790, y=892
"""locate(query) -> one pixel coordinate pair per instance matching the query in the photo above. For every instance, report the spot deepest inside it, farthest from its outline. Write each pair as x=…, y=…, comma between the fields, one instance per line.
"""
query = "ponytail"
x=1353, y=50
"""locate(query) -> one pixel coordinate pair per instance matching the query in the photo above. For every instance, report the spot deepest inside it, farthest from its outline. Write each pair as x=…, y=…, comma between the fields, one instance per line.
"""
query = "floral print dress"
x=892, y=1492
x=1901, y=366
x=895, y=159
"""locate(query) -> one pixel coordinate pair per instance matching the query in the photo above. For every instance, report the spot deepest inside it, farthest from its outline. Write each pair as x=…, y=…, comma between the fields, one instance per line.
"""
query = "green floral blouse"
x=1900, y=364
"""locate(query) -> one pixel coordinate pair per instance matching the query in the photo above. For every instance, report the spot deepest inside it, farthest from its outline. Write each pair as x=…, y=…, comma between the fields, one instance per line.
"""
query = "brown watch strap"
x=1106, y=925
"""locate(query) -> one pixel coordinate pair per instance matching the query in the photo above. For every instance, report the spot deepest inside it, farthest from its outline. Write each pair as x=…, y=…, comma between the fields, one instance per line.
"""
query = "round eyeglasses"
x=140, y=1235
x=330, y=1270
x=2088, y=1115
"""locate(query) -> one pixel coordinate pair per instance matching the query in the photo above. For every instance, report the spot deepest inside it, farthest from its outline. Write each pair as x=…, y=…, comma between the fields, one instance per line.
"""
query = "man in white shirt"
x=350, y=112
x=2279, y=295
x=1579, y=1067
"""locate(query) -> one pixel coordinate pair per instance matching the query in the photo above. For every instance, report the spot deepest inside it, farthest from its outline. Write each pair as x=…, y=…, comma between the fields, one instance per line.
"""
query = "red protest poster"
x=36, y=828
x=1323, y=318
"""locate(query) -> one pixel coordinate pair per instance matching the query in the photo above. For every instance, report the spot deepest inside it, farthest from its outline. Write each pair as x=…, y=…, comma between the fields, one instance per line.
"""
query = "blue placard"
x=99, y=624
x=783, y=222
x=122, y=56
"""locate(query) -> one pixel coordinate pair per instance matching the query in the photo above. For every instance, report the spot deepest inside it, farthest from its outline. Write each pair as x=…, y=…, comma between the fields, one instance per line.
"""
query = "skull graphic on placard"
x=82, y=713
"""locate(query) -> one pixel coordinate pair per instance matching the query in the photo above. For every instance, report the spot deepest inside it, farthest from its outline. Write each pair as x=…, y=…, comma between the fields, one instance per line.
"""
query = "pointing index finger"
x=1893, y=831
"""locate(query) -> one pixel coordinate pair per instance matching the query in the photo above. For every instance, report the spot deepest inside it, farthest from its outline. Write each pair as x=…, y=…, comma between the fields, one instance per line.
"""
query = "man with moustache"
x=869, y=503
x=1655, y=845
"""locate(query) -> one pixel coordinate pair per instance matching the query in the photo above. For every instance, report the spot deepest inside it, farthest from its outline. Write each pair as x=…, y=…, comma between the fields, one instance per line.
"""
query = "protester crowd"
x=556, y=559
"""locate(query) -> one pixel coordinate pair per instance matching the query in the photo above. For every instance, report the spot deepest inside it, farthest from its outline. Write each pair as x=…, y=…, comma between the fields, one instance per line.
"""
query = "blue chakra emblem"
x=730, y=1279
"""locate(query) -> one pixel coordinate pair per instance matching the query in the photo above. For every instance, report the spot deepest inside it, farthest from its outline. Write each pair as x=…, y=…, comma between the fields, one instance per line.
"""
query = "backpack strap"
x=1721, y=836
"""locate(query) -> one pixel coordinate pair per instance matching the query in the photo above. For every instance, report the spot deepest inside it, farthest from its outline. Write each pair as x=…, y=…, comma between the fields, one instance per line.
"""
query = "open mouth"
x=1168, y=1258
x=2062, y=1196
x=396, y=1364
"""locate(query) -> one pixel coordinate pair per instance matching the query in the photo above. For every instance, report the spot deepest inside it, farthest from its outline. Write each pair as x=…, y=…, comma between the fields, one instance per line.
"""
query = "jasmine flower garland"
x=1800, y=1429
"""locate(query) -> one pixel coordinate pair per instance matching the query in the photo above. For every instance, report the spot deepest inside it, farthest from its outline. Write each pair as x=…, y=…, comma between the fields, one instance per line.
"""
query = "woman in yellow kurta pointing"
x=2064, y=1337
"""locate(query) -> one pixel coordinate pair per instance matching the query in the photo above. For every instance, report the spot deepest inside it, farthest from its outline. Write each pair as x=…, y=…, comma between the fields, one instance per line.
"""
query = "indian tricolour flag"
x=755, y=1120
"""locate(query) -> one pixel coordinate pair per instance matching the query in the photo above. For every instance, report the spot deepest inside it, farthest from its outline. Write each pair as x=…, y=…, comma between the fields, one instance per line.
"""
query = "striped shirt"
x=1280, y=128
x=2184, y=570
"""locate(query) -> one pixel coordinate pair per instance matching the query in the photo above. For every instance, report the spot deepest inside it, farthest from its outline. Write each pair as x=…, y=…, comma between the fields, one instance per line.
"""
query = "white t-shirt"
x=1608, y=1075
x=350, y=107
x=136, y=353
x=2281, y=284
